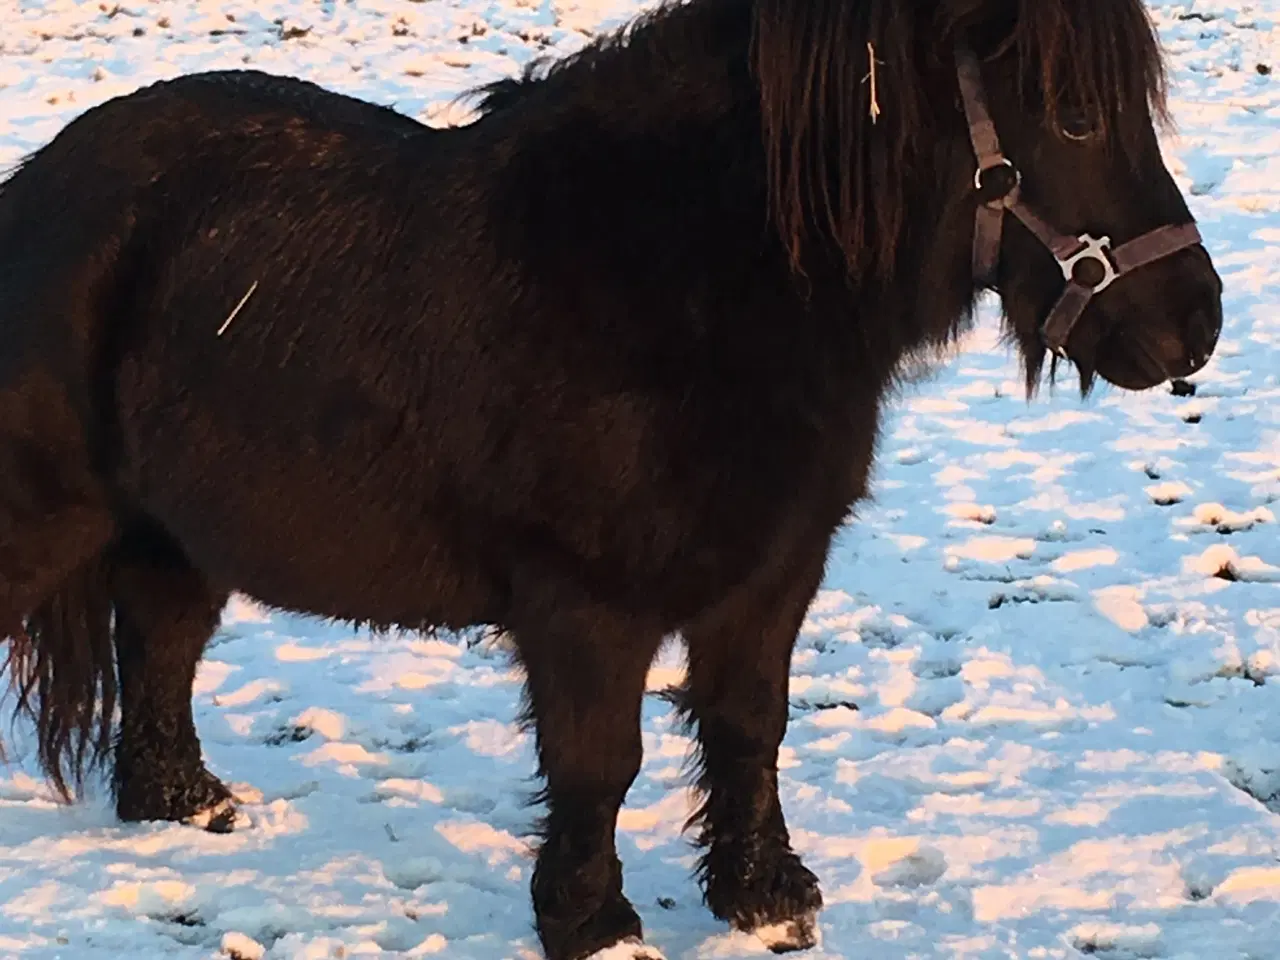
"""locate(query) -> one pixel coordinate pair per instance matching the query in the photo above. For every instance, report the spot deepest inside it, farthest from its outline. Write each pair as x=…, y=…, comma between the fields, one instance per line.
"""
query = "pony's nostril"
x=1202, y=335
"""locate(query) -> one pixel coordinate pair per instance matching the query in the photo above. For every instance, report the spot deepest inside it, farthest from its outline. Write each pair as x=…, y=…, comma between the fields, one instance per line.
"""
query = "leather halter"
x=1089, y=264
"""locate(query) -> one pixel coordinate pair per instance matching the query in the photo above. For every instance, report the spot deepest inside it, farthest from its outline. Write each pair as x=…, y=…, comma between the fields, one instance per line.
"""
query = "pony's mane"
x=835, y=172
x=832, y=165
x=657, y=43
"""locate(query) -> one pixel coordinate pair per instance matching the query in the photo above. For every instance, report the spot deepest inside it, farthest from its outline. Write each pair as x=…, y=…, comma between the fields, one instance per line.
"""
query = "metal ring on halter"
x=1095, y=248
x=1004, y=162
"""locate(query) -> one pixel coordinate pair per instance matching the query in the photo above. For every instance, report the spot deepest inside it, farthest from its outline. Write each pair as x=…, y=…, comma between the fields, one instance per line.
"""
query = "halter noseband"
x=1089, y=264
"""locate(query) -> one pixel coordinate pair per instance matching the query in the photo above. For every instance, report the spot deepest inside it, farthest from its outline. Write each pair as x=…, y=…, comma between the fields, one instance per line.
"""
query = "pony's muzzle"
x=1187, y=345
x=1164, y=325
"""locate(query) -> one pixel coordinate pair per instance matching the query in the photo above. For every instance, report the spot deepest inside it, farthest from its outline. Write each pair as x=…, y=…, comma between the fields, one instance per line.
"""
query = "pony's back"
x=51, y=219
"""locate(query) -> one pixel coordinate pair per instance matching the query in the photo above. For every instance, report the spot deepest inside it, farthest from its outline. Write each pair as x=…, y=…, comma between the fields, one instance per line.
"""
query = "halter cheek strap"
x=1089, y=264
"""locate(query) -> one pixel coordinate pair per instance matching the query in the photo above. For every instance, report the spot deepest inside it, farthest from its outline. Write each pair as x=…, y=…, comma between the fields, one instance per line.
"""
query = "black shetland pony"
x=604, y=366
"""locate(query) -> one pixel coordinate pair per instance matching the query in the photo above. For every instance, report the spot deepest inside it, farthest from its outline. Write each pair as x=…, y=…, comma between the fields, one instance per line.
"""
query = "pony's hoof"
x=629, y=949
x=800, y=933
x=611, y=932
x=218, y=818
x=198, y=798
x=772, y=895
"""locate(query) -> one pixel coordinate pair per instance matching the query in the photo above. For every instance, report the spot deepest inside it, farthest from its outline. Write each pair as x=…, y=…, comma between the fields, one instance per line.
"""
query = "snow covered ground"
x=1035, y=711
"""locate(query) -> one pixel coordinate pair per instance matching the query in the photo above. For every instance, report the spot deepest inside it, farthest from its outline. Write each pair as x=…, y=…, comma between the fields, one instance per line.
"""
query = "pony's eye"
x=1076, y=125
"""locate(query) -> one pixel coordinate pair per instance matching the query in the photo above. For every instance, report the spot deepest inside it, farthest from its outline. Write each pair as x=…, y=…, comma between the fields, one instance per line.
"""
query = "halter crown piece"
x=1089, y=264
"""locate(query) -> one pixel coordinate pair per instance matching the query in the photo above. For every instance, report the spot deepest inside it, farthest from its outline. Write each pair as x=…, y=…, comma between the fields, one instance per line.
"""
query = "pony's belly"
x=349, y=562
x=295, y=533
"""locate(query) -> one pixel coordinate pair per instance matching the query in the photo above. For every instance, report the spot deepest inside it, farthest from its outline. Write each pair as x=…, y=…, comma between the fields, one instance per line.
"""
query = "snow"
x=1033, y=709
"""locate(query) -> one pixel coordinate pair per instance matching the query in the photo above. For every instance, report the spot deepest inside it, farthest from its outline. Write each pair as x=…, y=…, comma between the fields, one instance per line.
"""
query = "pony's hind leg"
x=736, y=692
x=586, y=673
x=165, y=615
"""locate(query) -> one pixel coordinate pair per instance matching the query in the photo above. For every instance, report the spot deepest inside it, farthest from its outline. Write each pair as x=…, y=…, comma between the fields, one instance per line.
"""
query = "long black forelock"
x=1102, y=57
x=1099, y=57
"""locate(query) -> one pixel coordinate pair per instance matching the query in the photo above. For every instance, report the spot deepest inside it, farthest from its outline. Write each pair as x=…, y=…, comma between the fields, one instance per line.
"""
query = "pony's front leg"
x=736, y=692
x=586, y=679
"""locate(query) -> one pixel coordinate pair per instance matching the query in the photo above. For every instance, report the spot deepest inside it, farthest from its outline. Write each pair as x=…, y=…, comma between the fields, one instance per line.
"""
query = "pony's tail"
x=62, y=668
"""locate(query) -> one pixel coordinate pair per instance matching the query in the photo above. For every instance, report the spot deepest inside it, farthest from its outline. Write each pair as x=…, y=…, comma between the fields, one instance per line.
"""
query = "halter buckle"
x=1095, y=248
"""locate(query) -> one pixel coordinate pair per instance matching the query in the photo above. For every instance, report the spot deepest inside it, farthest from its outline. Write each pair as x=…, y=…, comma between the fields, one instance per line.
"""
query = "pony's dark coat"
x=603, y=366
